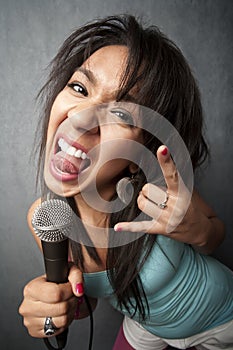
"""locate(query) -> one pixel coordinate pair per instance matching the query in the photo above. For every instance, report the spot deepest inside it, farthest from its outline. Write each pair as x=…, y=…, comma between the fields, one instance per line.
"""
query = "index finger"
x=170, y=173
x=48, y=292
x=175, y=184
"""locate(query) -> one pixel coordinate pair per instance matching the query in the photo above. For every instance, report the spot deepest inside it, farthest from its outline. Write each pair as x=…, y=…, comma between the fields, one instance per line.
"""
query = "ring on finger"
x=49, y=326
x=163, y=204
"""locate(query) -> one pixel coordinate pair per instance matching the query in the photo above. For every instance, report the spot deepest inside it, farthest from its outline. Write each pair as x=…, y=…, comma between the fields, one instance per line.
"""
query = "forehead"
x=116, y=54
x=107, y=64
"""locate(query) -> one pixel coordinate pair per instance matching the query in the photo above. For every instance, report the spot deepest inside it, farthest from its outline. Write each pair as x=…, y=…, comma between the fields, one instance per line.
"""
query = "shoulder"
x=29, y=220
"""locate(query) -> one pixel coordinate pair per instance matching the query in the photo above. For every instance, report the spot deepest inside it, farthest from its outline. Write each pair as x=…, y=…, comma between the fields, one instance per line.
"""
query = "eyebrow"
x=90, y=76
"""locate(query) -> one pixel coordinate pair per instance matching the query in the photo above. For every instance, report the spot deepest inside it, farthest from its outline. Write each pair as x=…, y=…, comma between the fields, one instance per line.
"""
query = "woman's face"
x=88, y=133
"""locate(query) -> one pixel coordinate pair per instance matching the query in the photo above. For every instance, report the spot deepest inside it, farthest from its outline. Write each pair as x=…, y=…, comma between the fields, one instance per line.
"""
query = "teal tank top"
x=187, y=292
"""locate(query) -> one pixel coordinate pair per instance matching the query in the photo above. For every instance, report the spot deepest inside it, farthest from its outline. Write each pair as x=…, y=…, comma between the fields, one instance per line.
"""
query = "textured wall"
x=30, y=32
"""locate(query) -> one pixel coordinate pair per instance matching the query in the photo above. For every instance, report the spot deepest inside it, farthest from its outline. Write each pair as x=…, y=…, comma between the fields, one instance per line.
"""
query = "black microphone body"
x=56, y=260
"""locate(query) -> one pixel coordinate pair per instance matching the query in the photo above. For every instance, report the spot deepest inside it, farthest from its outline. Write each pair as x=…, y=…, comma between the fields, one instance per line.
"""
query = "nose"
x=85, y=120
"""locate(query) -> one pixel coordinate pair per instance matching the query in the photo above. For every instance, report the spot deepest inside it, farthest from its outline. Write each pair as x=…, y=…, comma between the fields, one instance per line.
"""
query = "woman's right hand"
x=46, y=299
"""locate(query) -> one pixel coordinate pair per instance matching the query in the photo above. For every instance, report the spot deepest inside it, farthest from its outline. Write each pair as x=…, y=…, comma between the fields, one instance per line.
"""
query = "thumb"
x=76, y=280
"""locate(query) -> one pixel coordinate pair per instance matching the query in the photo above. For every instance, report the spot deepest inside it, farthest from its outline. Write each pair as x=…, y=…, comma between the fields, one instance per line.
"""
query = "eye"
x=124, y=115
x=79, y=88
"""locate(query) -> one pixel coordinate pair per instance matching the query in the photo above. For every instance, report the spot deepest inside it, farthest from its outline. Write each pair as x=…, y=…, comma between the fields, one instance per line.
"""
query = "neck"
x=96, y=222
x=89, y=214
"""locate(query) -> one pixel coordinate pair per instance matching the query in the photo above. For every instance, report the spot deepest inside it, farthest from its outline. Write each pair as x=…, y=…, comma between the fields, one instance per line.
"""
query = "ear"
x=133, y=168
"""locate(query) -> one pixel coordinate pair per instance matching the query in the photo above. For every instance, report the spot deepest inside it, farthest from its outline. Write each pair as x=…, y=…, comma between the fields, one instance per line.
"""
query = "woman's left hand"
x=185, y=217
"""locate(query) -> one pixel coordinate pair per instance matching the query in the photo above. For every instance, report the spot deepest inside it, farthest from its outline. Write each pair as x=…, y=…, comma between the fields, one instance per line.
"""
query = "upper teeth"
x=71, y=150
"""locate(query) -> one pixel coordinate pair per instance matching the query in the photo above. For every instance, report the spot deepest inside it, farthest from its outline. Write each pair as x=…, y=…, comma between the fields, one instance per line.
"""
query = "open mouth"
x=69, y=160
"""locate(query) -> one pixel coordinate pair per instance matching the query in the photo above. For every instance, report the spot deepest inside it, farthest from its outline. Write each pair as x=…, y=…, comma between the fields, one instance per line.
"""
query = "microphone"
x=52, y=221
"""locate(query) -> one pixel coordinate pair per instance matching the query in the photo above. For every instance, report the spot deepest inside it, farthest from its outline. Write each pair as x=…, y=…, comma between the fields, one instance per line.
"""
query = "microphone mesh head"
x=52, y=220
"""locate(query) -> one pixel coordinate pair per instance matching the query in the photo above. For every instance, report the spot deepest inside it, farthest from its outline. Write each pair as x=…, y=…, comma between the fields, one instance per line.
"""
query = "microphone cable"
x=60, y=341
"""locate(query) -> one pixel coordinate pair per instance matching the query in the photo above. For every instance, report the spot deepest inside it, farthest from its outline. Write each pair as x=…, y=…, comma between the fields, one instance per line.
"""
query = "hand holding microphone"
x=52, y=221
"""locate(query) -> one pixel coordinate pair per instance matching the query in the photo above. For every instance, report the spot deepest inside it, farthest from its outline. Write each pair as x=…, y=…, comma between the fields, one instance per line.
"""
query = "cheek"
x=57, y=115
x=118, y=131
x=116, y=153
x=112, y=169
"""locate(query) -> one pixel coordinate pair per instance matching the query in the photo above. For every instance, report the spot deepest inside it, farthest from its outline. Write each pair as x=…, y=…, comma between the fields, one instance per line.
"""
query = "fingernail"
x=79, y=288
x=164, y=151
x=117, y=228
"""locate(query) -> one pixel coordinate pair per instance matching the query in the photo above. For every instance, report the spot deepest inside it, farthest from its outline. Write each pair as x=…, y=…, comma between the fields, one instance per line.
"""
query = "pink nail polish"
x=118, y=229
x=79, y=288
x=164, y=151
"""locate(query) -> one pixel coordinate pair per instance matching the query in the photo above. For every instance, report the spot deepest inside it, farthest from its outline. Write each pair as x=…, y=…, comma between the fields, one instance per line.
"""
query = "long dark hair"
x=157, y=66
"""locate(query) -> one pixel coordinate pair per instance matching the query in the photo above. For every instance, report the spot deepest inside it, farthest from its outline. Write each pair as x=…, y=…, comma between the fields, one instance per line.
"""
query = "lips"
x=69, y=160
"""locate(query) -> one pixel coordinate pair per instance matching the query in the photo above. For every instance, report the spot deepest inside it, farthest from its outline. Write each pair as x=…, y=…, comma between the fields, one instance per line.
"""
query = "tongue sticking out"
x=65, y=166
x=68, y=164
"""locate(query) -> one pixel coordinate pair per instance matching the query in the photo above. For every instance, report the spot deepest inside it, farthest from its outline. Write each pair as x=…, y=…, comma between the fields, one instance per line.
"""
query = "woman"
x=169, y=291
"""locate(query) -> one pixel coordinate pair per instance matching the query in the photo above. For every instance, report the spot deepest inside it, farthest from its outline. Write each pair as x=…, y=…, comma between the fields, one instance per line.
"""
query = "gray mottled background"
x=31, y=32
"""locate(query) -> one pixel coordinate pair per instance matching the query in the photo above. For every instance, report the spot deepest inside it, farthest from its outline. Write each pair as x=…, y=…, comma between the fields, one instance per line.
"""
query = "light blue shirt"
x=187, y=292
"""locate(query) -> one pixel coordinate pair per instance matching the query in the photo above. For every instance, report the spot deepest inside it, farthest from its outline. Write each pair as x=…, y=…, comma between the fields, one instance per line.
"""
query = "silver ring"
x=163, y=204
x=49, y=326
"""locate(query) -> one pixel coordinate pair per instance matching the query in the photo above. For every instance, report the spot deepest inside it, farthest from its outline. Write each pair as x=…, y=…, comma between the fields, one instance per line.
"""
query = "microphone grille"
x=52, y=220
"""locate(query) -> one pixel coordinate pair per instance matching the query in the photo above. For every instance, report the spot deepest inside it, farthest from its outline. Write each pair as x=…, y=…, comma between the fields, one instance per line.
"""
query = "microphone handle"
x=56, y=260
x=57, y=269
